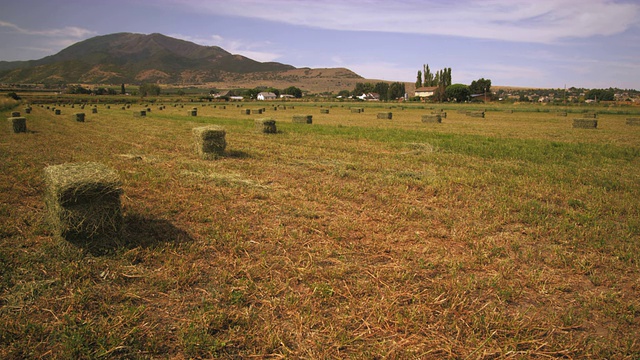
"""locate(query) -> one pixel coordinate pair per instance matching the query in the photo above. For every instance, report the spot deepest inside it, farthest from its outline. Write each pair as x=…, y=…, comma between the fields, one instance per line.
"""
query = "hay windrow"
x=223, y=179
x=83, y=200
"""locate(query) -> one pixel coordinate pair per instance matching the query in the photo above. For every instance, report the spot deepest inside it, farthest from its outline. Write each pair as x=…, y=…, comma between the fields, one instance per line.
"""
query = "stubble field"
x=512, y=236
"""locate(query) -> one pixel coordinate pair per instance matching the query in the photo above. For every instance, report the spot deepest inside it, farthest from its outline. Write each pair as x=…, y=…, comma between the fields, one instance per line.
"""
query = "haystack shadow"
x=140, y=231
x=137, y=231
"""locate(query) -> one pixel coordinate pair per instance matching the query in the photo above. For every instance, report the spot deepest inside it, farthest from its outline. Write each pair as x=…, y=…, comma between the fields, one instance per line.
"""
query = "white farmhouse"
x=266, y=96
x=425, y=91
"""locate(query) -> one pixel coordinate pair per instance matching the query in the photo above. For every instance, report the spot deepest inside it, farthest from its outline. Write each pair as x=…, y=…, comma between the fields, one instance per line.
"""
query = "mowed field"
x=512, y=236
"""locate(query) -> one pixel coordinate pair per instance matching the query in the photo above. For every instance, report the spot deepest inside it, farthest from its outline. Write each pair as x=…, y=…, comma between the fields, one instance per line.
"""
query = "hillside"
x=136, y=58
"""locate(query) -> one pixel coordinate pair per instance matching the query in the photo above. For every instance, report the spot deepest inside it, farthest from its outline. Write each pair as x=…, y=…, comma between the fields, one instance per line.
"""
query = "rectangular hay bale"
x=19, y=124
x=266, y=126
x=585, y=123
x=302, y=119
x=83, y=201
x=633, y=121
x=385, y=115
x=479, y=114
x=431, y=118
x=210, y=141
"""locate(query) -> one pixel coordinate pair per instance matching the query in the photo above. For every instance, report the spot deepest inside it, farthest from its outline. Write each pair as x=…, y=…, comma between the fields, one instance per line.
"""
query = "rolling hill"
x=156, y=58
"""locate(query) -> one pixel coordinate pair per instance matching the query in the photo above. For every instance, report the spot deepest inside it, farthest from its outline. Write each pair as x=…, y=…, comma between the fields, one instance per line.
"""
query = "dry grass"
x=513, y=236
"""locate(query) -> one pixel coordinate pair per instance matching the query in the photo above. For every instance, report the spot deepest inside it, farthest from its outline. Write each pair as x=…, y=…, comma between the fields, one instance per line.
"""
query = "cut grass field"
x=512, y=236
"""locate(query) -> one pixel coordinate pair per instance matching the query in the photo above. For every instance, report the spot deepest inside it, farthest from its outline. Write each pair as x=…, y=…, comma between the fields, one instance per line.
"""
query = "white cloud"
x=540, y=21
x=68, y=31
x=250, y=50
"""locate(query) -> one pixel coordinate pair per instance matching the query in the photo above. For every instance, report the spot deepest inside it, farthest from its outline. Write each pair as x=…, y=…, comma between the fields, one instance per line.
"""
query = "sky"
x=537, y=44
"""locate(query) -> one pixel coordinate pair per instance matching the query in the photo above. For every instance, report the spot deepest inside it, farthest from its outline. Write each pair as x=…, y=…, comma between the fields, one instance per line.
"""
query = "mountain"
x=136, y=58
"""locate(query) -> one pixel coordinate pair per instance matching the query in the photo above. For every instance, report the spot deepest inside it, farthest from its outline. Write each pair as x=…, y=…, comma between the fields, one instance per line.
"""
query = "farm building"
x=369, y=97
x=424, y=91
x=266, y=96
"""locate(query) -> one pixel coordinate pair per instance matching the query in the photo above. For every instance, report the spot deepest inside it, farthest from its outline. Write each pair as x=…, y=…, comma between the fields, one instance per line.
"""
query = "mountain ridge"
x=137, y=58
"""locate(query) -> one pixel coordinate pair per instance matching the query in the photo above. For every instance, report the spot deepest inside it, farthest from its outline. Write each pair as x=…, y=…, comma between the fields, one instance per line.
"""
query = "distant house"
x=369, y=97
x=425, y=91
x=266, y=96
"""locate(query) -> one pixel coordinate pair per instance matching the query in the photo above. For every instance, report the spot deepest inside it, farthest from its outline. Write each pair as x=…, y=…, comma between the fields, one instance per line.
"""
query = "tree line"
x=446, y=90
x=385, y=91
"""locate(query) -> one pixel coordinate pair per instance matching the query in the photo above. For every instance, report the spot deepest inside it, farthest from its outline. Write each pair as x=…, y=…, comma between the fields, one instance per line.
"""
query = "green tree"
x=480, y=86
x=292, y=90
x=344, y=93
x=149, y=90
x=600, y=95
x=122, y=89
x=419, y=79
x=457, y=92
x=363, y=88
x=429, y=77
x=396, y=91
x=382, y=89
x=13, y=95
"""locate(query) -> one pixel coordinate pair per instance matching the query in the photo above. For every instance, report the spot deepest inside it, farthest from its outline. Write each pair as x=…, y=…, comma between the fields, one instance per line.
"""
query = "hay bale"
x=94, y=110
x=324, y=111
x=257, y=111
x=141, y=113
x=19, y=124
x=302, y=119
x=79, y=117
x=245, y=111
x=357, y=110
x=27, y=110
x=431, y=118
x=193, y=112
x=210, y=141
x=479, y=114
x=83, y=201
x=562, y=113
x=590, y=115
x=633, y=121
x=15, y=114
x=385, y=115
x=266, y=126
x=57, y=112
x=585, y=123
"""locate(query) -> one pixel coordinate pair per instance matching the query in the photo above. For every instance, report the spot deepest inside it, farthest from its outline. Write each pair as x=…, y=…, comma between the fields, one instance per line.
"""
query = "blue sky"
x=541, y=43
